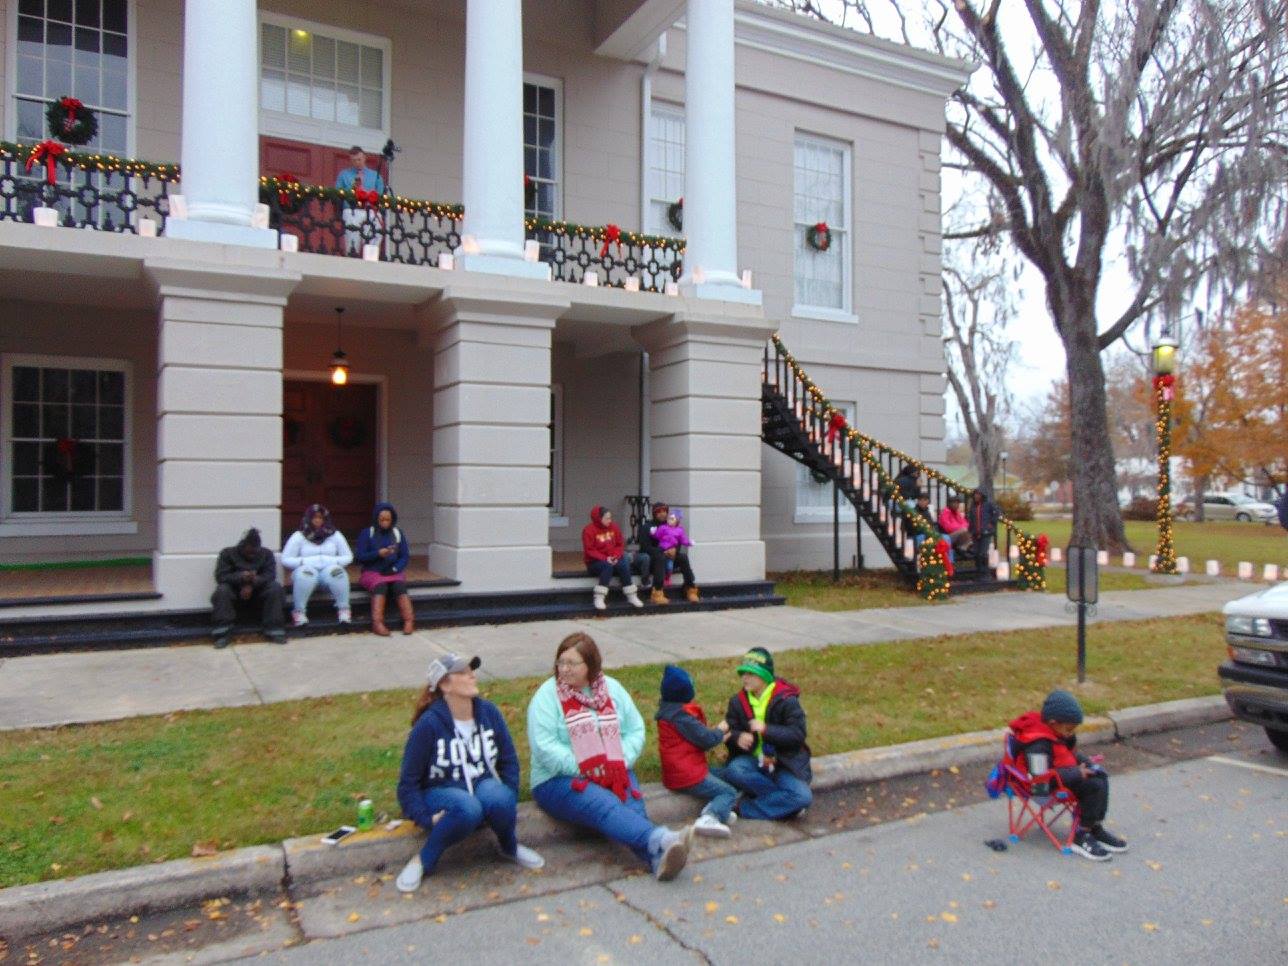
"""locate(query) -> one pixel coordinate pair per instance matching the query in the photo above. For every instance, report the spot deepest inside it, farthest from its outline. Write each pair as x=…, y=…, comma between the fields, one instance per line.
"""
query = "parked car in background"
x=1255, y=679
x=1236, y=506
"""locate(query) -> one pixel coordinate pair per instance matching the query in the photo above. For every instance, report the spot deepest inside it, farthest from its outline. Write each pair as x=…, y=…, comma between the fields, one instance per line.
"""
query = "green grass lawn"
x=85, y=798
x=1109, y=580
x=856, y=590
x=1226, y=542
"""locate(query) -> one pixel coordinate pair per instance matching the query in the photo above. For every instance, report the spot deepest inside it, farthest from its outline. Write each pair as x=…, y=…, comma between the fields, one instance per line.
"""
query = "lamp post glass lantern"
x=1002, y=457
x=1164, y=359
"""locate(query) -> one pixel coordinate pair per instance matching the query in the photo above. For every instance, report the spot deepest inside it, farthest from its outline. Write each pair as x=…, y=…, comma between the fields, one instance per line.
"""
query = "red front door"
x=329, y=453
x=317, y=223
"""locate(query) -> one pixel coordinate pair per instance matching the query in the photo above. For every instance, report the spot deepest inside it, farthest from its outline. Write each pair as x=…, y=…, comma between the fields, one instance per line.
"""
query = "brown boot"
x=691, y=593
x=408, y=614
x=658, y=597
x=378, y=615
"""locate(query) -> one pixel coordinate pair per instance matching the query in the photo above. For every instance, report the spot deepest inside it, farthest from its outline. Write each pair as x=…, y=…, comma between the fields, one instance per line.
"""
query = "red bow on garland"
x=1044, y=547
x=46, y=152
x=612, y=236
x=283, y=197
x=71, y=105
x=367, y=199
x=941, y=548
x=1165, y=383
x=821, y=228
x=835, y=425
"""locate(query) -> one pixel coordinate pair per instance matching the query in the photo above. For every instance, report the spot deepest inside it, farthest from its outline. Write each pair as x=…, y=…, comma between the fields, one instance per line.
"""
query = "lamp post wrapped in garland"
x=1164, y=352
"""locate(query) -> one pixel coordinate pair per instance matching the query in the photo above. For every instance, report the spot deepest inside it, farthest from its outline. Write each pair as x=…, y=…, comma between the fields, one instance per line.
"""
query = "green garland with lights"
x=1030, y=569
x=291, y=193
x=97, y=161
x=600, y=233
x=1165, y=553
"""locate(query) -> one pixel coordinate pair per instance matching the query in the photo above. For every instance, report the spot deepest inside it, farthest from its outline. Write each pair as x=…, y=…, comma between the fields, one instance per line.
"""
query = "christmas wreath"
x=819, y=237
x=71, y=121
x=287, y=196
x=675, y=214
x=347, y=432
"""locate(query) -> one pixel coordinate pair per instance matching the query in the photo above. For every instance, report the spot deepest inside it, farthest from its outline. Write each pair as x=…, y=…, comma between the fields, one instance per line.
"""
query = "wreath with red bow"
x=819, y=237
x=71, y=121
x=675, y=214
x=347, y=432
x=835, y=424
x=941, y=548
x=46, y=153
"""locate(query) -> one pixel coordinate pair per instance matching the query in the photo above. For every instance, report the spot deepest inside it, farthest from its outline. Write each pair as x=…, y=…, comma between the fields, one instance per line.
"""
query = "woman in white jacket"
x=318, y=553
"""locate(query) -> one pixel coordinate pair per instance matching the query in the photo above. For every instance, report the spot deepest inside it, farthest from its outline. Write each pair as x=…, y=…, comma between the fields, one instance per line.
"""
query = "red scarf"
x=597, y=747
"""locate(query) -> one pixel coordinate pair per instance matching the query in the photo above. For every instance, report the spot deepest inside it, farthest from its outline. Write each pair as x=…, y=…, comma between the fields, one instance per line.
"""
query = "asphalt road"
x=1203, y=882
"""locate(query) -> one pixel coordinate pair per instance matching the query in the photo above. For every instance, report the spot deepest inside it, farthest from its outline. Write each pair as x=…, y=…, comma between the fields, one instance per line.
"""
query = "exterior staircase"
x=797, y=420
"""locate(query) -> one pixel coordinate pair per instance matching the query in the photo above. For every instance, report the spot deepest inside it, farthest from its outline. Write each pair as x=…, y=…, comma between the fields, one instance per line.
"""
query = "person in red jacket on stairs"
x=604, y=551
x=683, y=740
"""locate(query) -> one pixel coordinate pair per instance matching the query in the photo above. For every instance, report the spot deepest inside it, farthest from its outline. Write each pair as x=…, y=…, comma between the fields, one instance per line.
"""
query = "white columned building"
x=710, y=198
x=220, y=141
x=492, y=165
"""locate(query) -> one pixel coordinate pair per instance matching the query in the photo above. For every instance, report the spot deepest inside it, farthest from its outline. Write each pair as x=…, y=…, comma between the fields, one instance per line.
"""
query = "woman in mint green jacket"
x=585, y=734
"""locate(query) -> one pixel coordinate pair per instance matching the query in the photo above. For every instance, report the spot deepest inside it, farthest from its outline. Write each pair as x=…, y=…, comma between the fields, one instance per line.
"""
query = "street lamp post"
x=1164, y=359
x=1002, y=456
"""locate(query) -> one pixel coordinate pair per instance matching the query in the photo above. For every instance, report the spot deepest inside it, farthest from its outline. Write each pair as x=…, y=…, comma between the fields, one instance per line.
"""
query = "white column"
x=710, y=200
x=491, y=419
x=220, y=152
x=706, y=444
x=219, y=418
x=492, y=236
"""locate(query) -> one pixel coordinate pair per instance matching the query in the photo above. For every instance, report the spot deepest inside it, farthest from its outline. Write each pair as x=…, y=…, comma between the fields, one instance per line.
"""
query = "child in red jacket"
x=683, y=740
x=1050, y=732
x=604, y=551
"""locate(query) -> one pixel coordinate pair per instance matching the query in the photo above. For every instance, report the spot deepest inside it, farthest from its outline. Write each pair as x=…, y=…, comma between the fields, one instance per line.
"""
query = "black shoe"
x=1085, y=845
x=222, y=637
x=277, y=637
x=1108, y=839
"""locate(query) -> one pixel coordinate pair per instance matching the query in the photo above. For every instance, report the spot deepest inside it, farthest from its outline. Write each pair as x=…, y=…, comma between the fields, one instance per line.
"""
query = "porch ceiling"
x=626, y=28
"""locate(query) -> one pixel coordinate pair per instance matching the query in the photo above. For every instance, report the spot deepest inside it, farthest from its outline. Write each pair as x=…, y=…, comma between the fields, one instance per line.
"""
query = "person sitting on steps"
x=247, y=573
x=954, y=525
x=658, y=558
x=317, y=553
x=383, y=552
x=604, y=551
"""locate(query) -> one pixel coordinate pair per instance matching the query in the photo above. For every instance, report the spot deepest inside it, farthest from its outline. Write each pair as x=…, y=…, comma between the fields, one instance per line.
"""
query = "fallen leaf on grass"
x=57, y=820
x=204, y=848
x=98, y=805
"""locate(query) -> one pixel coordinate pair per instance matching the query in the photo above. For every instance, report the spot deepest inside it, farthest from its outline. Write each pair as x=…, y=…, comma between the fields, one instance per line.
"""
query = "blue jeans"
x=718, y=795
x=606, y=571
x=493, y=802
x=304, y=581
x=774, y=795
x=599, y=810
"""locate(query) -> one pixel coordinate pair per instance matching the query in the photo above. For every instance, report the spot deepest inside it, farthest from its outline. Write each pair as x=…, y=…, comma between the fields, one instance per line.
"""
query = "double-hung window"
x=322, y=84
x=665, y=167
x=66, y=437
x=822, y=278
x=542, y=157
x=77, y=49
x=814, y=498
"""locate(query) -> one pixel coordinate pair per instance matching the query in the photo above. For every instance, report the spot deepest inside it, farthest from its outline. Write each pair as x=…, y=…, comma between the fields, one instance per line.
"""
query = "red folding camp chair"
x=1026, y=809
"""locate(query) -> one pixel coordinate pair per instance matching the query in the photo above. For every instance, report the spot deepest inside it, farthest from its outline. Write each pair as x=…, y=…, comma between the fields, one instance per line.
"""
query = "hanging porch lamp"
x=339, y=361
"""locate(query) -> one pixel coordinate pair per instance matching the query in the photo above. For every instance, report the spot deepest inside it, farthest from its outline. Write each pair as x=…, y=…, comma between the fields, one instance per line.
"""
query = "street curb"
x=64, y=903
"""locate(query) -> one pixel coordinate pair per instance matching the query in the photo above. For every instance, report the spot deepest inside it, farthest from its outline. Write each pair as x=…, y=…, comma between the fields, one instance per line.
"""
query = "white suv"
x=1236, y=506
x=1255, y=678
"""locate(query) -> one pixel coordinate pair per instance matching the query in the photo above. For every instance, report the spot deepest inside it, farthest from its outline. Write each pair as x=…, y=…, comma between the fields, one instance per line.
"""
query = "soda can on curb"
x=366, y=815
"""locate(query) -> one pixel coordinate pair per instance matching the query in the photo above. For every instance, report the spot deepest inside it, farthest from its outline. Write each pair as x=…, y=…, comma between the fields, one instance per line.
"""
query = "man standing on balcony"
x=359, y=179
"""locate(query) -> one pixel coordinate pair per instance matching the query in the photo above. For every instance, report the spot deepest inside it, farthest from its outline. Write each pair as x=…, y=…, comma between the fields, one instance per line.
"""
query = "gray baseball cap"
x=450, y=663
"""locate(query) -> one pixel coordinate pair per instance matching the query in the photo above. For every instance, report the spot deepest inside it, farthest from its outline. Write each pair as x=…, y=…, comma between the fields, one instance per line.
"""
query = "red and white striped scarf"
x=596, y=746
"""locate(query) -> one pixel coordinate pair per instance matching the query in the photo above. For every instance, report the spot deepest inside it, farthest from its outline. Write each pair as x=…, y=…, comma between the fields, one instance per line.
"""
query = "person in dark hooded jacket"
x=247, y=573
x=1281, y=505
x=604, y=551
x=1051, y=732
x=769, y=760
x=383, y=552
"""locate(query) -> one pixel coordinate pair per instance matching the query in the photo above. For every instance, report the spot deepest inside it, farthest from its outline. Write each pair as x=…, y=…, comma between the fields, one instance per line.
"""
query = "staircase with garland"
x=798, y=420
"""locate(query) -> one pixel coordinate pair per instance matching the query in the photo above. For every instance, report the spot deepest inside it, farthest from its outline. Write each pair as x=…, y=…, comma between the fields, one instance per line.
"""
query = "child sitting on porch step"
x=669, y=536
x=683, y=740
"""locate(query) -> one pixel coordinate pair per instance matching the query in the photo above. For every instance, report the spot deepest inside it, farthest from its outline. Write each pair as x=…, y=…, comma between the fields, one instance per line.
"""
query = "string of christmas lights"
x=97, y=161
x=1165, y=553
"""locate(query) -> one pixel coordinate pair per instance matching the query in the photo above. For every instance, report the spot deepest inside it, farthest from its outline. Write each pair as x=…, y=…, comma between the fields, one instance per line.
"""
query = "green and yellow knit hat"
x=759, y=662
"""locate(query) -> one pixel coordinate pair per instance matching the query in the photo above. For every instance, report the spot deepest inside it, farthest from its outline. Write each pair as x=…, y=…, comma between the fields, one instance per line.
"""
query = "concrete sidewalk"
x=42, y=691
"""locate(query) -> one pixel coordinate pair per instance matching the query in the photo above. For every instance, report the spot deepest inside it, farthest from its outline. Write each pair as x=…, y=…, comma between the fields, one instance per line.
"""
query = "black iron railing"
x=86, y=189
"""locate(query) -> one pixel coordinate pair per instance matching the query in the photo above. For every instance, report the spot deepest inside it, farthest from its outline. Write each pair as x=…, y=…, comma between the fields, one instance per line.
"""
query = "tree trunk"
x=1097, y=521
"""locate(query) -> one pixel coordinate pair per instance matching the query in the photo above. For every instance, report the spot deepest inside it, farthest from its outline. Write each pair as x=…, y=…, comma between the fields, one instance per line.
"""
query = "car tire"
x=1278, y=738
x=1242, y=517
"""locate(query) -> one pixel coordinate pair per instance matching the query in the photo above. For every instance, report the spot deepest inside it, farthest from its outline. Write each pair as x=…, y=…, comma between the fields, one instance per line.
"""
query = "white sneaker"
x=299, y=618
x=711, y=826
x=346, y=616
x=674, y=855
x=409, y=878
x=526, y=857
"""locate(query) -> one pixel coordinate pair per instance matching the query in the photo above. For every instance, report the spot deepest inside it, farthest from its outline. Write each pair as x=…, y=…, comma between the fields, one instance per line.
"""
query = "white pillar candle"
x=45, y=217
x=446, y=261
x=531, y=250
x=632, y=284
x=746, y=278
x=371, y=253
x=1245, y=570
x=992, y=556
x=1014, y=552
x=1102, y=558
x=907, y=549
x=1057, y=554
x=591, y=279
x=1129, y=559
x=672, y=288
x=1003, y=571
x=147, y=228
x=288, y=242
x=1153, y=559
x=1214, y=568
x=259, y=218
x=178, y=208
x=1182, y=565
x=1271, y=572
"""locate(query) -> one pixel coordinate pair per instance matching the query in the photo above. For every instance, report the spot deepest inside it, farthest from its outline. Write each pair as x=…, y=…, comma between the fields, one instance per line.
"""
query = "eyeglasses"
x=565, y=663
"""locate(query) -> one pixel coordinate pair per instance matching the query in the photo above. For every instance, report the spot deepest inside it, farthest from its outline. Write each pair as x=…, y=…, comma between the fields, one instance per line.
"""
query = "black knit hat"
x=676, y=684
x=250, y=540
x=1063, y=707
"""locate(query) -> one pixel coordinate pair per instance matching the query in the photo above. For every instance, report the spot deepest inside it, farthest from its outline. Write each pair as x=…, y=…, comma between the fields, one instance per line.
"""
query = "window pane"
x=111, y=387
x=299, y=52
x=59, y=37
x=114, y=15
x=529, y=98
x=84, y=386
x=297, y=97
x=54, y=385
x=26, y=459
x=53, y=420
x=111, y=422
x=272, y=91
x=111, y=133
x=59, y=10
x=58, y=77
x=346, y=63
x=116, y=47
x=346, y=105
x=26, y=383
x=84, y=422
x=87, y=13
x=111, y=494
x=323, y=57
x=109, y=459
x=323, y=101
x=53, y=496
x=26, y=496
x=87, y=81
x=34, y=7
x=26, y=420
x=31, y=120
x=272, y=46
x=373, y=67
x=372, y=110
x=114, y=93
x=82, y=494
x=31, y=76
x=546, y=101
